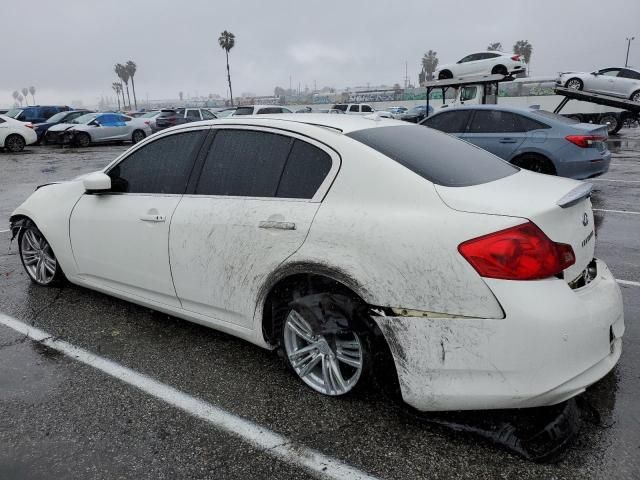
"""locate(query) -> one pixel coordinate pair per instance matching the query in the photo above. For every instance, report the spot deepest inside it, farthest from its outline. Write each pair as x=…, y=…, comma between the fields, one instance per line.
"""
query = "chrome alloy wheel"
x=37, y=256
x=330, y=364
x=574, y=84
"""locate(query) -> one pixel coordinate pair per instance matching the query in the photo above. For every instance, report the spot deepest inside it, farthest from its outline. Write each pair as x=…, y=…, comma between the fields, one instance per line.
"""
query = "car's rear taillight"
x=523, y=252
x=585, y=141
x=516, y=58
x=147, y=122
x=28, y=125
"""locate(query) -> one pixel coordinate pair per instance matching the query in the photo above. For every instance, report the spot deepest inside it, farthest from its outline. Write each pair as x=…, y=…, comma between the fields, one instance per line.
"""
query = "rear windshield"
x=14, y=112
x=555, y=116
x=438, y=157
x=244, y=111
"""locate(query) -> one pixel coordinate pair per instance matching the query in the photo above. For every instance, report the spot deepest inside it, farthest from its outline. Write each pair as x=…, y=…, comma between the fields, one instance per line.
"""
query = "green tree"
x=131, y=70
x=123, y=75
x=524, y=48
x=495, y=47
x=227, y=40
x=429, y=64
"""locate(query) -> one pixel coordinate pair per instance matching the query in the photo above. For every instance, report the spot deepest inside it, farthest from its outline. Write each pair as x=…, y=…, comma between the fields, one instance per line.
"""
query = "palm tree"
x=131, y=70
x=32, y=91
x=20, y=98
x=117, y=87
x=227, y=40
x=25, y=92
x=15, y=96
x=495, y=47
x=429, y=64
x=524, y=48
x=123, y=74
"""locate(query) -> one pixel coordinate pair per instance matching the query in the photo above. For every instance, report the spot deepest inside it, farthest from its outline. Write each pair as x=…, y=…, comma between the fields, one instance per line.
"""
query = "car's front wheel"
x=14, y=143
x=445, y=75
x=635, y=96
x=331, y=358
x=38, y=258
x=574, y=84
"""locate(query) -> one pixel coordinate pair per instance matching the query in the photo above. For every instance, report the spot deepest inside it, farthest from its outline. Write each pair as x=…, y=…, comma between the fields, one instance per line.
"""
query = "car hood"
x=535, y=197
x=60, y=127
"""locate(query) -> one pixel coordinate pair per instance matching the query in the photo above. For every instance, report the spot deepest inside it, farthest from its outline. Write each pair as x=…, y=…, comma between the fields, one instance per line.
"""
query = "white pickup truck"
x=354, y=108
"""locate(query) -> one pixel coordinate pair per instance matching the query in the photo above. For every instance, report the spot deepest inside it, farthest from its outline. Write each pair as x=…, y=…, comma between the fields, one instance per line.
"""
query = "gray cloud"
x=67, y=48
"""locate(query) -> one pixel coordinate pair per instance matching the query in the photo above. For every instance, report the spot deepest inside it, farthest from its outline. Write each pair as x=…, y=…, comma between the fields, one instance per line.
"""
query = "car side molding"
x=575, y=195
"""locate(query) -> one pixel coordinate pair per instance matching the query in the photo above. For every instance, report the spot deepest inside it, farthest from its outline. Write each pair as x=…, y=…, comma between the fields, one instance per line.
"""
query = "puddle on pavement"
x=30, y=372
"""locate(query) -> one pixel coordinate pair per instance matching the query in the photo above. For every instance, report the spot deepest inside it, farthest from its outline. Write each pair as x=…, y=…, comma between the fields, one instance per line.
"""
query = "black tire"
x=499, y=70
x=445, y=75
x=14, y=143
x=82, y=139
x=635, y=96
x=137, y=136
x=574, y=83
x=53, y=279
x=576, y=117
x=535, y=163
x=612, y=121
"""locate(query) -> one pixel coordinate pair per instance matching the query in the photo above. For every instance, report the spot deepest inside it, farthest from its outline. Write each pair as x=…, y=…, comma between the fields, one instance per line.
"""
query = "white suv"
x=481, y=63
x=354, y=108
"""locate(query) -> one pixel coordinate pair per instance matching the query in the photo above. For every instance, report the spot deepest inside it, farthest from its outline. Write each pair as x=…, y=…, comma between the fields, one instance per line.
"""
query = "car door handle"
x=508, y=140
x=153, y=218
x=277, y=225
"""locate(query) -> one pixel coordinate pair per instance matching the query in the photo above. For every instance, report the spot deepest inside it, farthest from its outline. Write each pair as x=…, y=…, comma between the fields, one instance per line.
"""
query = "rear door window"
x=193, y=114
x=529, y=124
x=626, y=73
x=162, y=166
x=306, y=168
x=441, y=159
x=494, y=121
x=244, y=111
x=353, y=108
x=367, y=108
x=244, y=163
x=454, y=121
x=207, y=115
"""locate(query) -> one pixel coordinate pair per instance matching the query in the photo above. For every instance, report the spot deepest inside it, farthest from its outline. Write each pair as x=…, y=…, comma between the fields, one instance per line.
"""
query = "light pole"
x=626, y=62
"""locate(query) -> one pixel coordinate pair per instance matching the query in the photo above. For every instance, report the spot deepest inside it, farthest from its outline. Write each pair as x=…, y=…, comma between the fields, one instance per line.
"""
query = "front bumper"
x=59, y=137
x=552, y=344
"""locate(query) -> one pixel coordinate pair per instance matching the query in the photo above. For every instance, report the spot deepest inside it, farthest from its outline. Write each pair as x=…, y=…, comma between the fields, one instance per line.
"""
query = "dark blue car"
x=60, y=117
x=36, y=113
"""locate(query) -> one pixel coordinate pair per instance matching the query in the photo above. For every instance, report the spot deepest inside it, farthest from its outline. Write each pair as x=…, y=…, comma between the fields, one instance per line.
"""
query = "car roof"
x=341, y=123
x=503, y=108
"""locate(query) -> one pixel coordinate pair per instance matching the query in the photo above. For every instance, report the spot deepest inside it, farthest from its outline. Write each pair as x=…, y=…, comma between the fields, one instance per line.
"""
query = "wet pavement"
x=62, y=419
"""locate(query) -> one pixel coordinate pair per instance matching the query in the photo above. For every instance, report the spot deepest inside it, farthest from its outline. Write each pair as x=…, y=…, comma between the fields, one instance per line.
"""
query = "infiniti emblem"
x=585, y=219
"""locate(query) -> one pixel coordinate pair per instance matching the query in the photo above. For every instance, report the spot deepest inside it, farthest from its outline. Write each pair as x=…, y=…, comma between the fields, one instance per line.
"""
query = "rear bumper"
x=592, y=165
x=552, y=344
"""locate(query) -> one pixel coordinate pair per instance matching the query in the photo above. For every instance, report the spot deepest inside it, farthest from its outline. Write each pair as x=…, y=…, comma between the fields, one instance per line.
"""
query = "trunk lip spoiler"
x=574, y=196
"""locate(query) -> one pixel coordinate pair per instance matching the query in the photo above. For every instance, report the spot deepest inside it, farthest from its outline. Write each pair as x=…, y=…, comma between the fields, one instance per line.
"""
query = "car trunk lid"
x=560, y=207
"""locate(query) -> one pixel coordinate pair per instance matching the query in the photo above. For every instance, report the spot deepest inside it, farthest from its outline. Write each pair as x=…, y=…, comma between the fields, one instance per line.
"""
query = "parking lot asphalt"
x=62, y=418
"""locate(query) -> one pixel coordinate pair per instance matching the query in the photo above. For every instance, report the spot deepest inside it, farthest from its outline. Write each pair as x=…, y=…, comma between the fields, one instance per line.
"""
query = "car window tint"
x=305, y=170
x=162, y=166
x=494, y=121
x=244, y=163
x=193, y=114
x=630, y=74
x=468, y=93
x=207, y=115
x=466, y=59
x=529, y=124
x=244, y=111
x=449, y=122
x=611, y=72
x=341, y=107
x=439, y=158
x=367, y=108
x=353, y=108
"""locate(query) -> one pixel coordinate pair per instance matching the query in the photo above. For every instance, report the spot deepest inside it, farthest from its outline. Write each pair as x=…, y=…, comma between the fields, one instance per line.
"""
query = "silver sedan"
x=617, y=81
x=99, y=128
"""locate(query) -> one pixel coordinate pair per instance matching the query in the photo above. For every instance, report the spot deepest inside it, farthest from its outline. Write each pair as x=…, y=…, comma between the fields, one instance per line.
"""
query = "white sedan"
x=481, y=63
x=353, y=248
x=617, y=81
x=14, y=135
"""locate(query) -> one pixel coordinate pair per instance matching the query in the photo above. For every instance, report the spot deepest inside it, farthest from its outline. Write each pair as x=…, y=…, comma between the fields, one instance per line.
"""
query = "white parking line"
x=628, y=282
x=615, y=211
x=613, y=180
x=259, y=437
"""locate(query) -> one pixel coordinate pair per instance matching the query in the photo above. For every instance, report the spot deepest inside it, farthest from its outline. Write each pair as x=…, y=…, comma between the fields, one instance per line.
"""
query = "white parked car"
x=481, y=63
x=354, y=248
x=99, y=128
x=259, y=110
x=617, y=81
x=354, y=108
x=14, y=135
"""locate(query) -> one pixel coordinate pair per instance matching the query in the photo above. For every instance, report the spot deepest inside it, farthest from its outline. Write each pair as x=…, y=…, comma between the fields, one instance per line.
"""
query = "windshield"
x=150, y=114
x=556, y=117
x=57, y=117
x=84, y=118
x=418, y=109
x=13, y=113
x=435, y=156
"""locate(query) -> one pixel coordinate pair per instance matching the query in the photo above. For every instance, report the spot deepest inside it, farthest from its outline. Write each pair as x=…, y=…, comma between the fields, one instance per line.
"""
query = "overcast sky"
x=67, y=48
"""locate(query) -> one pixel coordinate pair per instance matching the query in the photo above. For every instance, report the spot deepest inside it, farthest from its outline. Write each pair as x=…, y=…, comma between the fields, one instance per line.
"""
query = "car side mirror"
x=97, y=182
x=595, y=73
x=94, y=123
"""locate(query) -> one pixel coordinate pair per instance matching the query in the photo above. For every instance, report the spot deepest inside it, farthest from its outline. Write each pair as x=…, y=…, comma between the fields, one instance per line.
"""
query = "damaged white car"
x=356, y=246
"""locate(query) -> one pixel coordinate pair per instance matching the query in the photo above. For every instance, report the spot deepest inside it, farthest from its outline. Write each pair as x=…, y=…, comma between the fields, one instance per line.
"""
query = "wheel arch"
x=533, y=153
